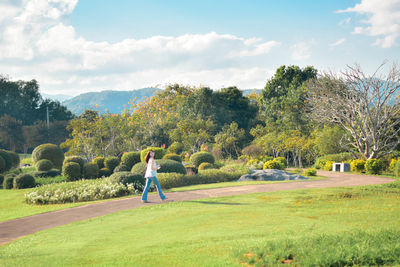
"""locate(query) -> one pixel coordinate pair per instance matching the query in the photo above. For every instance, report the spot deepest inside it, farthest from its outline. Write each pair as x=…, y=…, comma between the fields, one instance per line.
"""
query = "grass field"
x=297, y=226
x=12, y=204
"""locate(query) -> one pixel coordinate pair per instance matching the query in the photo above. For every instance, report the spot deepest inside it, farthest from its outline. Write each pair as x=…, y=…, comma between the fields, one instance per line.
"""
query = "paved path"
x=11, y=230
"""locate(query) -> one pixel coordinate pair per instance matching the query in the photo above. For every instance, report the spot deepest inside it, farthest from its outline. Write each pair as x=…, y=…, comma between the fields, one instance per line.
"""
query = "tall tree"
x=364, y=106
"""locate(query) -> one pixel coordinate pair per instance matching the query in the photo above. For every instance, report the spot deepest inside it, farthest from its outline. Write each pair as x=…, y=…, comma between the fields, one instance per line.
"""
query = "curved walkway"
x=11, y=230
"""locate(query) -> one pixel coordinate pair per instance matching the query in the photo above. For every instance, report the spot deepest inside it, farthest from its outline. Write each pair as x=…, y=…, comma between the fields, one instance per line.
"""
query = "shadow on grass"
x=218, y=203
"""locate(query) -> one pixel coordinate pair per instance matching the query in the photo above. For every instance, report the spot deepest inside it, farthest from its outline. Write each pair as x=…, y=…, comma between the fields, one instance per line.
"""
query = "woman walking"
x=151, y=175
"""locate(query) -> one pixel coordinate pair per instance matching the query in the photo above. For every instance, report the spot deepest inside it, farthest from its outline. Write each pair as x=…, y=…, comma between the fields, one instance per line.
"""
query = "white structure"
x=340, y=167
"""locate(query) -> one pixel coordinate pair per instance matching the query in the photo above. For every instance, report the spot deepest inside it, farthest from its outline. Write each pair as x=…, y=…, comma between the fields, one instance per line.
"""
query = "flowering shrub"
x=310, y=172
x=357, y=165
x=255, y=164
x=328, y=166
x=392, y=165
x=83, y=190
x=374, y=166
x=273, y=164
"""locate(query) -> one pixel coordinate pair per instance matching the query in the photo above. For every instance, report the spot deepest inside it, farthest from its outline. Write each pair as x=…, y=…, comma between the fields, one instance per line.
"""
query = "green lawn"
x=12, y=203
x=225, y=231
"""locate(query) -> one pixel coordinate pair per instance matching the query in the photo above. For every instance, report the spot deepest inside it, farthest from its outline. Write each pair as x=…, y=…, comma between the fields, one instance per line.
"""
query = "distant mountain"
x=58, y=97
x=111, y=101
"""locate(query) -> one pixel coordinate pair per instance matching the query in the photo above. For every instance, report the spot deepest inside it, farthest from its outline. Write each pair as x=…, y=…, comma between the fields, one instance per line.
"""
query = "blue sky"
x=73, y=46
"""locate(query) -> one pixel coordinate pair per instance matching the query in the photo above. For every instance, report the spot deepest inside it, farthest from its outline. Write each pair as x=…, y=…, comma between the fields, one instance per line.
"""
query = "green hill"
x=107, y=101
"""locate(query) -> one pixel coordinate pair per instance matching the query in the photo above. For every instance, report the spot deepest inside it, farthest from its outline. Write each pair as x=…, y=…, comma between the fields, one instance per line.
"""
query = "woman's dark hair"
x=147, y=157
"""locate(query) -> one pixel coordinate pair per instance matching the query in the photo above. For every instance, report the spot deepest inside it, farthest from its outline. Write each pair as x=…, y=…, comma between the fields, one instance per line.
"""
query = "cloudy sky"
x=72, y=46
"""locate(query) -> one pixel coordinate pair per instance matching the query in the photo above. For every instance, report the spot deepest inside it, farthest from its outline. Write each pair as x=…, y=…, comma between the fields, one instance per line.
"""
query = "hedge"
x=8, y=182
x=173, y=156
x=72, y=171
x=125, y=178
x=90, y=170
x=99, y=161
x=2, y=165
x=374, y=166
x=122, y=168
x=104, y=172
x=111, y=162
x=1, y=181
x=341, y=157
x=167, y=166
x=205, y=166
x=15, y=159
x=44, y=165
x=7, y=160
x=357, y=165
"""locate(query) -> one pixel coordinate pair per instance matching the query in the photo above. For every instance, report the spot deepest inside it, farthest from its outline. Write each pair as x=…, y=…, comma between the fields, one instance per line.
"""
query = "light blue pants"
x=147, y=187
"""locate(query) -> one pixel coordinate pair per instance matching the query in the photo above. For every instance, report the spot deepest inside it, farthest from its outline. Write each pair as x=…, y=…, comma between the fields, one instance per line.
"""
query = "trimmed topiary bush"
x=7, y=160
x=44, y=165
x=49, y=151
x=111, y=162
x=159, y=152
x=90, y=170
x=8, y=182
x=374, y=166
x=1, y=181
x=104, y=172
x=273, y=164
x=168, y=165
x=99, y=161
x=328, y=166
x=205, y=166
x=15, y=159
x=139, y=168
x=125, y=178
x=197, y=158
x=72, y=171
x=76, y=159
x=173, y=156
x=2, y=165
x=176, y=148
x=121, y=168
x=357, y=165
x=24, y=180
x=43, y=174
x=130, y=158
x=310, y=172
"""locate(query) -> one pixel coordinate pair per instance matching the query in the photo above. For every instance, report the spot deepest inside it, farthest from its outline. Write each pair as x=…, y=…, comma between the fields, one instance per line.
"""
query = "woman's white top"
x=151, y=170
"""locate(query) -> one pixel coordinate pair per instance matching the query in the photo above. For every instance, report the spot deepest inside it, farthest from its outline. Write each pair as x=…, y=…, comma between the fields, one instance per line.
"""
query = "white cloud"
x=302, y=50
x=383, y=20
x=344, y=21
x=338, y=42
x=36, y=43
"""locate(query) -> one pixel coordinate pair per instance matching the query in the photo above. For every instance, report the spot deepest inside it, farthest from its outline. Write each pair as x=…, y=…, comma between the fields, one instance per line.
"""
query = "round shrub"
x=44, y=165
x=121, y=168
x=76, y=159
x=15, y=159
x=273, y=164
x=111, y=162
x=129, y=178
x=205, y=166
x=169, y=180
x=90, y=170
x=104, y=172
x=2, y=165
x=8, y=182
x=71, y=171
x=49, y=173
x=139, y=168
x=282, y=160
x=159, y=152
x=99, y=161
x=328, y=166
x=176, y=148
x=374, y=166
x=1, y=181
x=197, y=158
x=49, y=151
x=130, y=158
x=7, y=159
x=168, y=165
x=24, y=180
x=357, y=165
x=173, y=156
x=310, y=172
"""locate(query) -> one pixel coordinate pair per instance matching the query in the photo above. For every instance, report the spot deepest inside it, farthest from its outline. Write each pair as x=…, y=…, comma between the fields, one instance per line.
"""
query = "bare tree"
x=366, y=107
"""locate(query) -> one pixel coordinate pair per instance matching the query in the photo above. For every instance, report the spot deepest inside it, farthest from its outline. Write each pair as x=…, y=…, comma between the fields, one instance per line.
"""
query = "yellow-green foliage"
x=357, y=165
x=374, y=166
x=328, y=165
x=310, y=172
x=273, y=164
x=392, y=165
x=205, y=166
